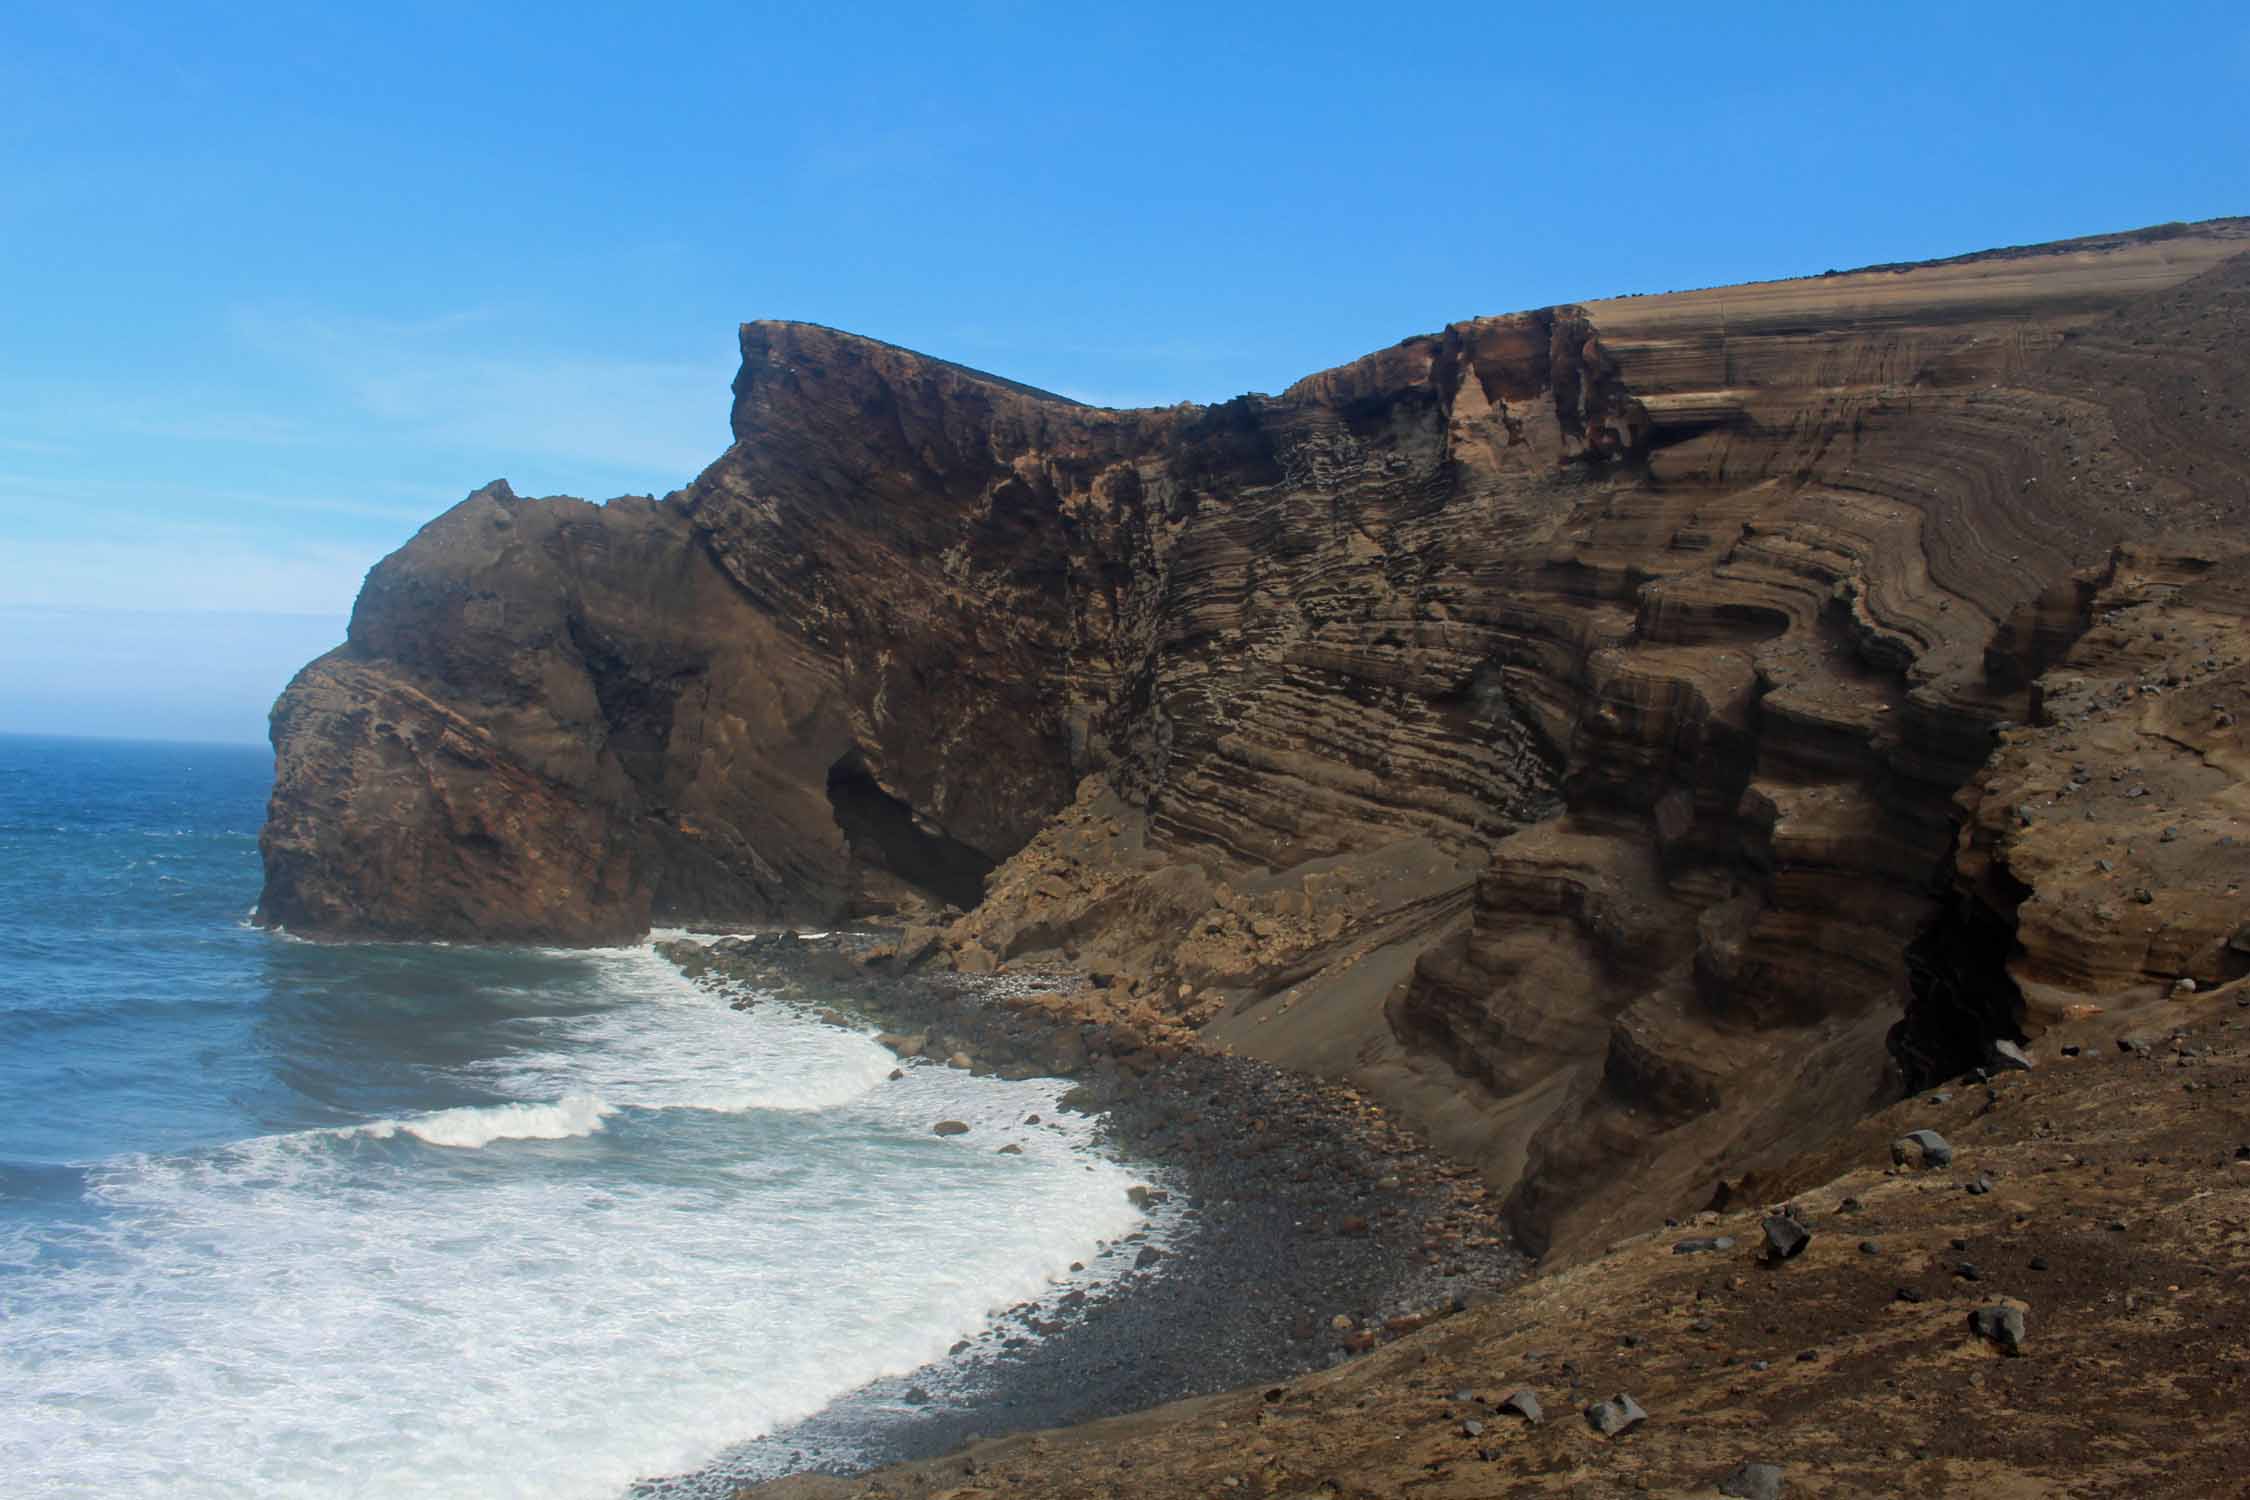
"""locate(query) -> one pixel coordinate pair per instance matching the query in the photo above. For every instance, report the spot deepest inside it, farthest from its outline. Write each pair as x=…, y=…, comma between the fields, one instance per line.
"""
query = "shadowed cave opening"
x=886, y=832
x=1961, y=995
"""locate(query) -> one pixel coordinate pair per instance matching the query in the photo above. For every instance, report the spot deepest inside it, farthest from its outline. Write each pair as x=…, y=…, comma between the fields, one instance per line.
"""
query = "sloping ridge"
x=1564, y=722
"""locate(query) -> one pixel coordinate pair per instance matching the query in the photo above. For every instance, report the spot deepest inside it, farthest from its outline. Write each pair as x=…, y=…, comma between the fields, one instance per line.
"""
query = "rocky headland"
x=1634, y=744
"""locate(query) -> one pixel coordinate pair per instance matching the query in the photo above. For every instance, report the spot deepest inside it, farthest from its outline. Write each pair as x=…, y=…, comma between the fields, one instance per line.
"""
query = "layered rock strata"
x=1565, y=723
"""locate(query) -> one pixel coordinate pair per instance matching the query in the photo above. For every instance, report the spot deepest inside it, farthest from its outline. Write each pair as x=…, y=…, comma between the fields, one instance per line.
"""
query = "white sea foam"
x=579, y=1114
x=685, y=1227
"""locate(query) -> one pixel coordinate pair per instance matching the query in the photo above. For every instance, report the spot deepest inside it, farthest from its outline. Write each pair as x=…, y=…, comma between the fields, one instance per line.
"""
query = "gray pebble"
x=1785, y=1237
x=2001, y=1325
x=1525, y=1404
x=1753, y=1481
x=1704, y=1244
x=1619, y=1414
x=2006, y=1055
x=1925, y=1146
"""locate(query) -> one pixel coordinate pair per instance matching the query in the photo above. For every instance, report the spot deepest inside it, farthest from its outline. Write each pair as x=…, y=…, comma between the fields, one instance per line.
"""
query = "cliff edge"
x=1634, y=739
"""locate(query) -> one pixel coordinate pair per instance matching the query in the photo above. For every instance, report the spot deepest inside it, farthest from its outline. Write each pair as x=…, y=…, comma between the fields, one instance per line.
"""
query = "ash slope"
x=2113, y=1220
x=1565, y=723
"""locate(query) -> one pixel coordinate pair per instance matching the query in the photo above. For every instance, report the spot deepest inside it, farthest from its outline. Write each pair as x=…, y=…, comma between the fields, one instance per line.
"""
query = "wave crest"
x=471, y=1127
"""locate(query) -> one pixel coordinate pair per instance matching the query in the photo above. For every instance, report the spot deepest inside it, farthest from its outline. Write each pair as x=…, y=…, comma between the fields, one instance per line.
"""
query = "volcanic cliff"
x=1635, y=738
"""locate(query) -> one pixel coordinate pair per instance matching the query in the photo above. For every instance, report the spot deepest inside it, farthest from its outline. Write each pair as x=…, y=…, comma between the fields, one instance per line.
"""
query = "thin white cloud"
x=849, y=154
x=96, y=415
x=263, y=429
x=123, y=502
x=185, y=568
x=457, y=381
x=151, y=674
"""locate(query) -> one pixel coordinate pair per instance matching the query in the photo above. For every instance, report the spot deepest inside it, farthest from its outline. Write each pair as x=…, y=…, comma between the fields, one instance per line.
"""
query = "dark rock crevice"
x=886, y=833
x=1962, y=995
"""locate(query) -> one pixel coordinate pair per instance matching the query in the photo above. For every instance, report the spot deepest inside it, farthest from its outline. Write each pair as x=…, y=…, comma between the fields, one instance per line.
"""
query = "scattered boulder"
x=1619, y=1414
x=1149, y=1256
x=1785, y=1237
x=1924, y=1148
x=1999, y=1324
x=950, y=1127
x=1753, y=1481
x=2006, y=1055
x=1011, y=1149
x=1704, y=1244
x=1525, y=1404
x=918, y=943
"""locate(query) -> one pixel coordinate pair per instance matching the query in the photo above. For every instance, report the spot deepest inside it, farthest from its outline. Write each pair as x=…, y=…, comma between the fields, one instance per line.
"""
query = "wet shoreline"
x=1295, y=1225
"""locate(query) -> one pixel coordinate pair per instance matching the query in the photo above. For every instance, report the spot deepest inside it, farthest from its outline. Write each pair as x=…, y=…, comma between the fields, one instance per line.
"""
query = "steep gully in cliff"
x=1612, y=735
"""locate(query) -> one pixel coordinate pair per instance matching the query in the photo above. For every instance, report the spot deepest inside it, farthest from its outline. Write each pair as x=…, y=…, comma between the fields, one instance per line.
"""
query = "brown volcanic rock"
x=1556, y=721
x=2113, y=832
x=550, y=719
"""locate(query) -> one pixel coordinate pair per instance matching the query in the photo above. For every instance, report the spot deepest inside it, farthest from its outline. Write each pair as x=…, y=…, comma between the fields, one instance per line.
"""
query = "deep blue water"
x=297, y=1219
x=125, y=871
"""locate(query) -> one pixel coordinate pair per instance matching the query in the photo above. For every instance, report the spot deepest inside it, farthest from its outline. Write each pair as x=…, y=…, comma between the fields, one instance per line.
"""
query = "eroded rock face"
x=1575, y=724
x=2107, y=832
x=552, y=720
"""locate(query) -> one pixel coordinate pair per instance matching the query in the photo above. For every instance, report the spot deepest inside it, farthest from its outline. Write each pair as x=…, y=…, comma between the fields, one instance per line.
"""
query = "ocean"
x=290, y=1219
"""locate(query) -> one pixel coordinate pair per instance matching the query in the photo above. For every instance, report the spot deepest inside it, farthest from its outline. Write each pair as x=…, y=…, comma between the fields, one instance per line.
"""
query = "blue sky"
x=283, y=282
